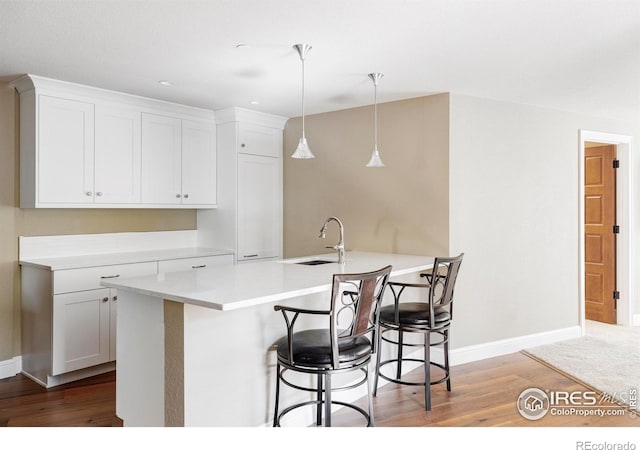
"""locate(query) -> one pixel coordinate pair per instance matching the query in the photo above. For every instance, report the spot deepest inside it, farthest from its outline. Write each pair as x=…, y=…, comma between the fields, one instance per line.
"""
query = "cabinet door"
x=65, y=151
x=259, y=140
x=80, y=330
x=161, y=159
x=259, y=207
x=198, y=163
x=113, y=324
x=117, y=155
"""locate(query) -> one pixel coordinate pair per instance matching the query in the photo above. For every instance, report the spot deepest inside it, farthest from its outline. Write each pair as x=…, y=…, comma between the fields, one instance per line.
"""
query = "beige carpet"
x=606, y=359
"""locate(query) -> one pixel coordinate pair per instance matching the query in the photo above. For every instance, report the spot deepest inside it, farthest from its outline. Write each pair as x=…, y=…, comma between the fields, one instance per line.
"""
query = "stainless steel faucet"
x=340, y=245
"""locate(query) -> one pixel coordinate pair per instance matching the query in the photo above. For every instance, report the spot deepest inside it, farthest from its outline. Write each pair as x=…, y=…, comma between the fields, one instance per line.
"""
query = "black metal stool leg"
x=378, y=357
x=446, y=359
x=319, y=402
x=427, y=371
x=367, y=372
x=400, y=352
x=275, y=414
x=327, y=400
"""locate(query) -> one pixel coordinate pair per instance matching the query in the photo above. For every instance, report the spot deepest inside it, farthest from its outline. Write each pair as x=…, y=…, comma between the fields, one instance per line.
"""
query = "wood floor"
x=484, y=394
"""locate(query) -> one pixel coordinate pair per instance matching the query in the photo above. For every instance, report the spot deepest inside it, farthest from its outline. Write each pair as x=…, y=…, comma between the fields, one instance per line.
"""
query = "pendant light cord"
x=302, y=57
x=375, y=115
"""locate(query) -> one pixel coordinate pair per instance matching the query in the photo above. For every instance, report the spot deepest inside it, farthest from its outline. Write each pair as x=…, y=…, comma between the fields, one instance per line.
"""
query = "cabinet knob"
x=98, y=194
x=178, y=196
x=106, y=299
x=88, y=194
x=186, y=196
x=242, y=145
x=115, y=297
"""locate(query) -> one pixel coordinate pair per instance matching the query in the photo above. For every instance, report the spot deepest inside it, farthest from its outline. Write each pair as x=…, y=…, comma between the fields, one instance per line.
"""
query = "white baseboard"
x=505, y=346
x=10, y=367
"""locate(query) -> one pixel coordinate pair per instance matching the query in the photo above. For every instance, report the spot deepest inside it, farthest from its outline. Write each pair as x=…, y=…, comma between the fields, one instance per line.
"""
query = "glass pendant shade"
x=375, y=160
x=302, y=151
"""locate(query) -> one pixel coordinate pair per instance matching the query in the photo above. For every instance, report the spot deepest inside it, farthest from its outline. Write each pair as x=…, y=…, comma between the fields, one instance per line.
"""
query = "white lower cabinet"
x=69, y=319
x=82, y=330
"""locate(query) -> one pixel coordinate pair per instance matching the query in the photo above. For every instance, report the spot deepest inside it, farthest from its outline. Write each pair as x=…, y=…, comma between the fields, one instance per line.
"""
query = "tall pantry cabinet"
x=249, y=214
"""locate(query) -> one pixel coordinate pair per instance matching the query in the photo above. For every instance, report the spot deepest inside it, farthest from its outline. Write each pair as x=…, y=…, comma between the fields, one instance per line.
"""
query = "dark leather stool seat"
x=313, y=347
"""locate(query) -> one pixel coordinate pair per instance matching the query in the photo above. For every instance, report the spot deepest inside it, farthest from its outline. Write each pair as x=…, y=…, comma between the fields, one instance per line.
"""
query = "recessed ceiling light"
x=165, y=83
x=254, y=102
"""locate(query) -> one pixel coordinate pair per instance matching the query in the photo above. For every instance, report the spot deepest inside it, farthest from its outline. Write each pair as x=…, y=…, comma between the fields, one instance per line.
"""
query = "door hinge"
x=616, y=229
x=616, y=297
x=616, y=163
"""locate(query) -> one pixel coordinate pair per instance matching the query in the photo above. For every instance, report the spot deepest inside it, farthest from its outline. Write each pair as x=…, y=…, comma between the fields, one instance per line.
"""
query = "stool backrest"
x=355, y=305
x=443, y=280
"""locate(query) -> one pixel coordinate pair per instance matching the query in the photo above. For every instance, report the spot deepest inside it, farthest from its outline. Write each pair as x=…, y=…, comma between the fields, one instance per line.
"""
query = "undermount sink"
x=315, y=262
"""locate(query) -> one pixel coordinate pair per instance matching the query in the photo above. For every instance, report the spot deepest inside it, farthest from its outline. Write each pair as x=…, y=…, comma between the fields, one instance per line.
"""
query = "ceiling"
x=574, y=55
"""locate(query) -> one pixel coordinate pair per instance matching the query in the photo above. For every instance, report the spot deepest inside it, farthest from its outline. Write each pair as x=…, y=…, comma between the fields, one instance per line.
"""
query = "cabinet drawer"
x=178, y=265
x=73, y=280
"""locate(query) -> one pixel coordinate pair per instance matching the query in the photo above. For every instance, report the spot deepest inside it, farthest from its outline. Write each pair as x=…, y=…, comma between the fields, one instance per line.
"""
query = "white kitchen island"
x=195, y=348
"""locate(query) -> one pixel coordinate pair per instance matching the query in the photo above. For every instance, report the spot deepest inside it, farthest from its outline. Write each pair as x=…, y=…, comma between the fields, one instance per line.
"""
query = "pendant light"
x=375, y=160
x=302, y=151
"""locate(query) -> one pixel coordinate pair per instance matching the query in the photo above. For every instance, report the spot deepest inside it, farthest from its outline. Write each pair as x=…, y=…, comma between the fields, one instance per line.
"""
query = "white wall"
x=514, y=212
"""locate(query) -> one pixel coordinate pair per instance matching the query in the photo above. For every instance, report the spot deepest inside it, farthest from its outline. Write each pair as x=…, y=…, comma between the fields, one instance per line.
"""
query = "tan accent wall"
x=401, y=208
x=16, y=222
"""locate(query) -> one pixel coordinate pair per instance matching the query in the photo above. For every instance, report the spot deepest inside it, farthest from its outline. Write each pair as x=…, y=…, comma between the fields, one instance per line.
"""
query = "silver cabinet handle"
x=178, y=196
x=186, y=195
x=104, y=277
x=88, y=194
x=106, y=299
x=250, y=256
x=98, y=194
x=199, y=267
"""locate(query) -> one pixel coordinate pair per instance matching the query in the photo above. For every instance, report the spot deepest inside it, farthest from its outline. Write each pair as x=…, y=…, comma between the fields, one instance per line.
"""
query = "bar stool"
x=430, y=314
x=344, y=345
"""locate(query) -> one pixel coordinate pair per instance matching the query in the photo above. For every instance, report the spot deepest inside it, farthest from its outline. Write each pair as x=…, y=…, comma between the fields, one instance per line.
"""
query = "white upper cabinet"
x=83, y=147
x=117, y=155
x=65, y=159
x=161, y=166
x=198, y=163
x=178, y=161
x=259, y=140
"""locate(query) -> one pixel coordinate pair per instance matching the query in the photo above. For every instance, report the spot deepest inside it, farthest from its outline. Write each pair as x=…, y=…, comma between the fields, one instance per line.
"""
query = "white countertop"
x=234, y=286
x=108, y=259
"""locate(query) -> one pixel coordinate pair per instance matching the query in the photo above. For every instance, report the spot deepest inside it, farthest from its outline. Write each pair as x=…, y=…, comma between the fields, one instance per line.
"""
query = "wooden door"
x=600, y=239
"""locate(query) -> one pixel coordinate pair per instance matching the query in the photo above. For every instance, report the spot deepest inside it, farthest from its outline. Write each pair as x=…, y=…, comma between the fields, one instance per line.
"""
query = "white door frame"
x=624, y=217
